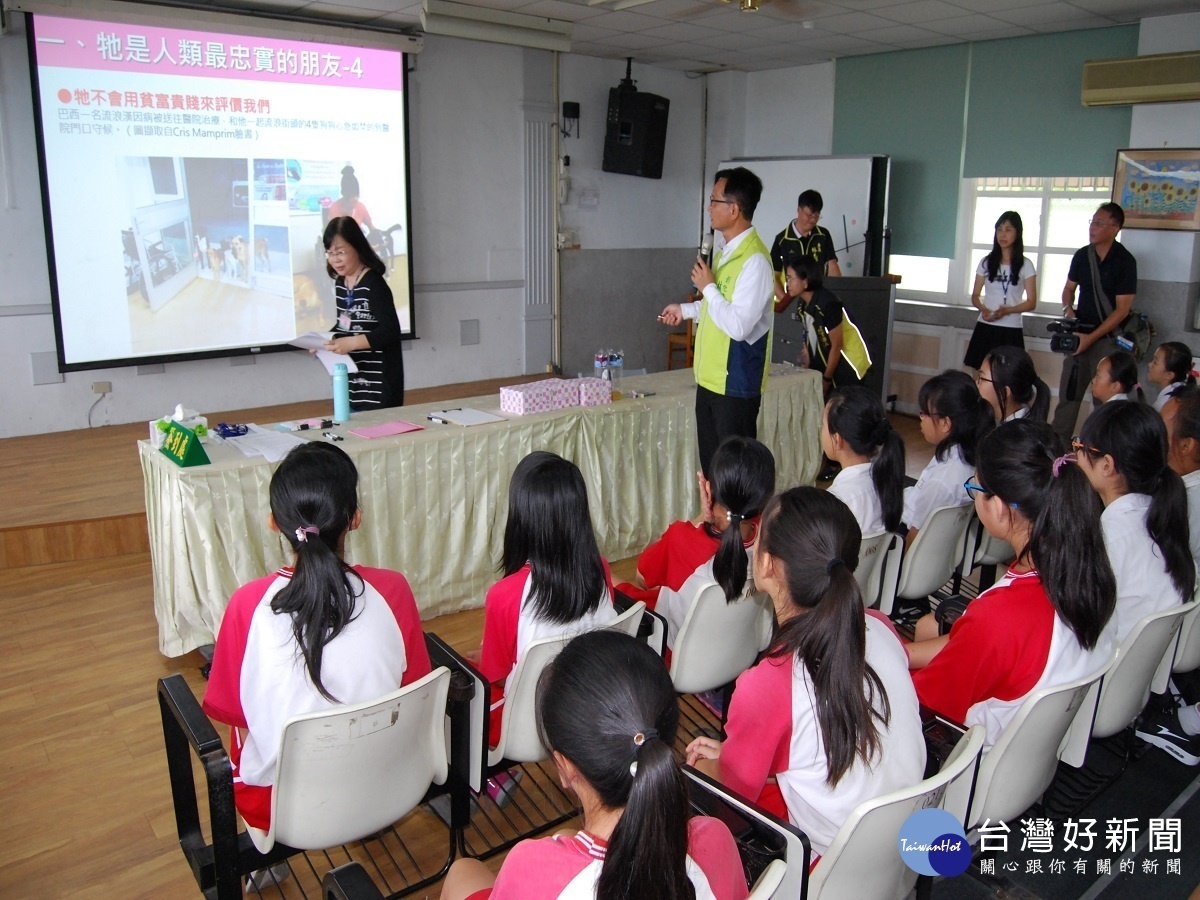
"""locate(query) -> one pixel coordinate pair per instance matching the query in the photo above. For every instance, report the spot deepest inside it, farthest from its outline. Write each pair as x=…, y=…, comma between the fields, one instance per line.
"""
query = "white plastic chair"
x=782, y=879
x=935, y=552
x=1019, y=767
x=348, y=772
x=1187, y=651
x=1140, y=664
x=769, y=881
x=718, y=641
x=862, y=861
x=871, y=555
x=519, y=740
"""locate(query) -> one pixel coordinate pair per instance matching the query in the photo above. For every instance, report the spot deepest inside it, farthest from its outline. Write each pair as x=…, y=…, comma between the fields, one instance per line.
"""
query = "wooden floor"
x=83, y=781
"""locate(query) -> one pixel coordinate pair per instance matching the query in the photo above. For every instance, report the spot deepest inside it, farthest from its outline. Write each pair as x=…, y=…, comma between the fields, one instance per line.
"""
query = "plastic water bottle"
x=341, y=393
x=616, y=367
x=601, y=365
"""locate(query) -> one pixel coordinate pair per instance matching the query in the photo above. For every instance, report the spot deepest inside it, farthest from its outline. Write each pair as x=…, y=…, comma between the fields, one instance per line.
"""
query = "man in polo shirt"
x=734, y=331
x=803, y=237
x=1118, y=281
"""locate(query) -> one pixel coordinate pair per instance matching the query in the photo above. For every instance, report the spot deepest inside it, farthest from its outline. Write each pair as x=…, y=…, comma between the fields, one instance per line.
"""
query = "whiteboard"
x=844, y=183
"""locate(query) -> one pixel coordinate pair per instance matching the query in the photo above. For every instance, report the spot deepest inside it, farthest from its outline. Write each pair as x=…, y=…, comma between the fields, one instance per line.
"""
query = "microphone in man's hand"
x=706, y=248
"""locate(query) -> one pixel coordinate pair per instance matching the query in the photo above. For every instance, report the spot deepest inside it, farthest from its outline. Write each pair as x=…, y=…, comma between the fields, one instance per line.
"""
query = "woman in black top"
x=367, y=327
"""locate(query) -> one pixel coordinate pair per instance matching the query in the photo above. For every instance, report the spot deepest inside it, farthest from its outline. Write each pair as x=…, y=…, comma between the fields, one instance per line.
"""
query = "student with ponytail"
x=714, y=546
x=829, y=714
x=856, y=433
x=954, y=418
x=313, y=636
x=1042, y=624
x=1116, y=378
x=607, y=712
x=1170, y=369
x=1008, y=381
x=1123, y=452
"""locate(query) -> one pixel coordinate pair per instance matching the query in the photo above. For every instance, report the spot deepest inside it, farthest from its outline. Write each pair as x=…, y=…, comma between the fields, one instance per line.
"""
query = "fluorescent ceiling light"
x=478, y=24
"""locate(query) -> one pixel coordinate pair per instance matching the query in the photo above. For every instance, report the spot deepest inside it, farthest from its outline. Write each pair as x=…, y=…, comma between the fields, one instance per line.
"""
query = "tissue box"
x=524, y=399
x=564, y=392
x=594, y=391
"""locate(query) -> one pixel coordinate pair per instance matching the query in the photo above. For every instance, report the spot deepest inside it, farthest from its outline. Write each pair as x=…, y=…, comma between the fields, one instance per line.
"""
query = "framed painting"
x=1159, y=188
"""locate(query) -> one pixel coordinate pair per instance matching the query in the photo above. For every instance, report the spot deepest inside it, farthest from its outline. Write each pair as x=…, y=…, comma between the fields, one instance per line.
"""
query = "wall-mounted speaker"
x=636, y=135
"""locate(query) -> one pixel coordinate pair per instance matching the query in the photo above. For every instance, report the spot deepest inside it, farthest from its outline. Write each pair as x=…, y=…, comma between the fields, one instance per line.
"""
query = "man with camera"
x=1098, y=317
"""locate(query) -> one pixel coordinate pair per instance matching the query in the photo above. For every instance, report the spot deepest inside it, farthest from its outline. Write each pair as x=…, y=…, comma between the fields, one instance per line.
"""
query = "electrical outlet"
x=101, y=387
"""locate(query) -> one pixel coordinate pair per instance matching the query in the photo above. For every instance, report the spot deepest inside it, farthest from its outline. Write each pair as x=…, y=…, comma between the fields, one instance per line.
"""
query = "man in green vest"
x=733, y=335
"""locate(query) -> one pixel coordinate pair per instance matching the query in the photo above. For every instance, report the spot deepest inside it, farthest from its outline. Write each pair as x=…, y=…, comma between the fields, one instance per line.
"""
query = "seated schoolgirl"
x=1170, y=369
x=607, y=711
x=555, y=580
x=1008, y=381
x=1042, y=624
x=1116, y=378
x=856, y=434
x=1181, y=416
x=1122, y=450
x=716, y=545
x=953, y=418
x=311, y=637
x=829, y=713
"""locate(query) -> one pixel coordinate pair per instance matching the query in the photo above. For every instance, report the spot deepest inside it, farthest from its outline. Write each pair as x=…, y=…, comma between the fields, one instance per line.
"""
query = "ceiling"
x=710, y=35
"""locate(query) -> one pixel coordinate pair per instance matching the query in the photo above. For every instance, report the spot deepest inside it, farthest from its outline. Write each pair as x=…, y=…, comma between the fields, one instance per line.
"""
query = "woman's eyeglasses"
x=334, y=254
x=1077, y=445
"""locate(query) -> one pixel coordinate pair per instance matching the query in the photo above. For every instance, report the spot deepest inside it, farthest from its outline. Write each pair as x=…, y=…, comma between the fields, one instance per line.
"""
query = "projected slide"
x=190, y=175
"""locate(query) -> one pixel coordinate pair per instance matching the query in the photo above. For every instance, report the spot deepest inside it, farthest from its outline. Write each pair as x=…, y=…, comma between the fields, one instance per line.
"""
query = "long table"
x=434, y=502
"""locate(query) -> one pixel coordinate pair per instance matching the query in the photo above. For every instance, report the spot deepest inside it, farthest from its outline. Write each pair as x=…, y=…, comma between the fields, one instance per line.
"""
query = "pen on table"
x=436, y=419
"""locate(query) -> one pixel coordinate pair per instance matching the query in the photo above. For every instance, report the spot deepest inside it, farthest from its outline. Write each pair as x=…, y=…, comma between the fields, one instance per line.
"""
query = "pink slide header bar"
x=114, y=47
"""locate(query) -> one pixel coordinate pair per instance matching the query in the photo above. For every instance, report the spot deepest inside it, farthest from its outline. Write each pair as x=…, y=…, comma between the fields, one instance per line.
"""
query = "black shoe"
x=1162, y=730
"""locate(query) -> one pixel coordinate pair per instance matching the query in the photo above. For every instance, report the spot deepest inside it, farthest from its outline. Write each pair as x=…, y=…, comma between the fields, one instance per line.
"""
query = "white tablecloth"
x=434, y=502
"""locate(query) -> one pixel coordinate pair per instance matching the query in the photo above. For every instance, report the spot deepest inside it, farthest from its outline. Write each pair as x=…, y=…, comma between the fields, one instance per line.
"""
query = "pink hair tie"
x=1057, y=466
x=304, y=531
x=1194, y=373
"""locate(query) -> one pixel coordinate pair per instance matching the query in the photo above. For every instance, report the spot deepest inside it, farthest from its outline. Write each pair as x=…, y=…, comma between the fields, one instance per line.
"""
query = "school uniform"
x=1143, y=585
x=940, y=484
x=854, y=487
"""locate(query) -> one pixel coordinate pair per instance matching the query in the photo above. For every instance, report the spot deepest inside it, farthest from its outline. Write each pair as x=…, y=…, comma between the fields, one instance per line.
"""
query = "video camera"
x=1065, y=335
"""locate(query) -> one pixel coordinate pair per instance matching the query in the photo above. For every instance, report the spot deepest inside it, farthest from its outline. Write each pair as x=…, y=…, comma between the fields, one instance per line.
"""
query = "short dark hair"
x=1114, y=210
x=351, y=232
x=810, y=199
x=743, y=187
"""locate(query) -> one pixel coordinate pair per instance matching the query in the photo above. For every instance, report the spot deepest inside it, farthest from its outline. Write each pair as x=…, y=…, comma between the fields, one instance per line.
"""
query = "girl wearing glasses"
x=1042, y=624
x=367, y=327
x=1123, y=452
x=1008, y=381
x=1004, y=276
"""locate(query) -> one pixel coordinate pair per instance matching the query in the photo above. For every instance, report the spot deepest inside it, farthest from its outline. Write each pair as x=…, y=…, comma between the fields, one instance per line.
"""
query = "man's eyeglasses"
x=712, y=200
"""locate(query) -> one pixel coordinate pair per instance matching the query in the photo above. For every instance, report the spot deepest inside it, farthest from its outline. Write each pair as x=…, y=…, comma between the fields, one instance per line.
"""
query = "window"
x=1055, y=214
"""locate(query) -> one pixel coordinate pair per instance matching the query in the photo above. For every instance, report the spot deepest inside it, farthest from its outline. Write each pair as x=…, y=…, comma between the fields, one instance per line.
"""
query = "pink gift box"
x=525, y=399
x=594, y=391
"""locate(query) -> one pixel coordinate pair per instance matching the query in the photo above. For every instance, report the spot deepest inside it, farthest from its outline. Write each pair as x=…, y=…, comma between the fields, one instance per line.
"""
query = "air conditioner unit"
x=1163, y=78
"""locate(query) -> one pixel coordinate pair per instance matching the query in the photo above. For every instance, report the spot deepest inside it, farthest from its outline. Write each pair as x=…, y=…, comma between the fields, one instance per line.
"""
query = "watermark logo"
x=932, y=842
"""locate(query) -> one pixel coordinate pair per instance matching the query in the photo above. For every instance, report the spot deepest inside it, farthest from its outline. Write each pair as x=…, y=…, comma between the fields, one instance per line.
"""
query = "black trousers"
x=718, y=417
